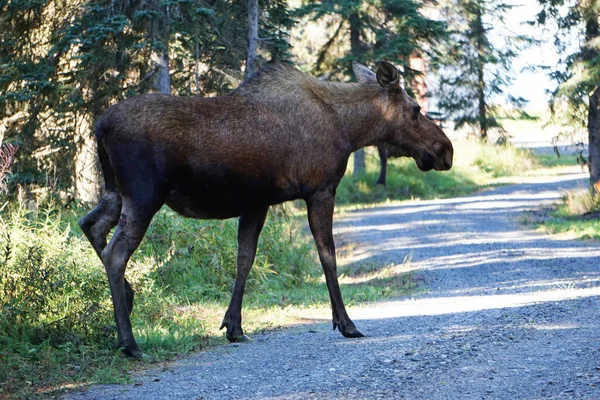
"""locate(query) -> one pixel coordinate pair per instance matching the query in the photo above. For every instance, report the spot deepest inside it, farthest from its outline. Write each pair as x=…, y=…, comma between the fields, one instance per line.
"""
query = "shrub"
x=47, y=289
x=56, y=322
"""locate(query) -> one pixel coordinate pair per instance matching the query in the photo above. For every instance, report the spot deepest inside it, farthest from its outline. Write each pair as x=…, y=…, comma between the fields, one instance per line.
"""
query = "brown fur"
x=281, y=135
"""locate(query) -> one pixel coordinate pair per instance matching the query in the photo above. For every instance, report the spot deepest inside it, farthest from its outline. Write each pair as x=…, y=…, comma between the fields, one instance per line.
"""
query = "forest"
x=63, y=62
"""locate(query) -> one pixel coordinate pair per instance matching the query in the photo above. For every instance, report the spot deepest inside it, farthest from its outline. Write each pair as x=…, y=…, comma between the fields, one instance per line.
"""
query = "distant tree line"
x=63, y=62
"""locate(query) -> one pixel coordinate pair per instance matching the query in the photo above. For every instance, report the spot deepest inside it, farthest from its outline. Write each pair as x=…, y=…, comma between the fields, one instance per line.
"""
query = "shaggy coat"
x=280, y=136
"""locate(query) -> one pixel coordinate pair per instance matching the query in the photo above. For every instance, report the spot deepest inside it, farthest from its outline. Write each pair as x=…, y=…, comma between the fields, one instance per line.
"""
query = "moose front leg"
x=249, y=229
x=320, y=219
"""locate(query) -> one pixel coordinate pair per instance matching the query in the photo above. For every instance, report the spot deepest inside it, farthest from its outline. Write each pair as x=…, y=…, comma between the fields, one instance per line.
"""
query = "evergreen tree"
x=392, y=30
x=577, y=74
x=474, y=72
x=30, y=87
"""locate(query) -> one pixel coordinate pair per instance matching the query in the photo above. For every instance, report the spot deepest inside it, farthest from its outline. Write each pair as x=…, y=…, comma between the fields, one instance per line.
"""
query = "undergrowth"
x=56, y=325
x=577, y=214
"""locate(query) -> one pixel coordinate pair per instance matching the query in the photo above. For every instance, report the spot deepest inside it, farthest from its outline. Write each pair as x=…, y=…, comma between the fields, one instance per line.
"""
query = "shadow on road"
x=474, y=244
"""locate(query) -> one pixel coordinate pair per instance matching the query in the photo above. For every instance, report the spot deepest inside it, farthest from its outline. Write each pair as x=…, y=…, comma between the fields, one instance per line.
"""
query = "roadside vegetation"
x=578, y=215
x=56, y=325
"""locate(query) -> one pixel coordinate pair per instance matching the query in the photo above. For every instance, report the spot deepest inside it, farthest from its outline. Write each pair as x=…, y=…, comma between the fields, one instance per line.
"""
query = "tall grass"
x=56, y=323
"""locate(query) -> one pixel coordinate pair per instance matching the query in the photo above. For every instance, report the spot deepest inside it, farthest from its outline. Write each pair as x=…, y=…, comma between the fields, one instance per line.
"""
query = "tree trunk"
x=161, y=80
x=480, y=39
x=590, y=53
x=159, y=58
x=252, y=38
x=87, y=179
x=87, y=175
x=483, y=128
x=594, y=136
x=355, y=50
x=156, y=27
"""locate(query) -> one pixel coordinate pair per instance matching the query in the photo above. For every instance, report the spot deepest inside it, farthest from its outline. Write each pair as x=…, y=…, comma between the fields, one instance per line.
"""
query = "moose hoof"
x=348, y=331
x=237, y=336
x=136, y=353
x=234, y=333
x=353, y=333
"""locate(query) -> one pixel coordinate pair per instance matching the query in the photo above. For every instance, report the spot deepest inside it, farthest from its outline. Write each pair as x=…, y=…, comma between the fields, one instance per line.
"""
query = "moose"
x=281, y=135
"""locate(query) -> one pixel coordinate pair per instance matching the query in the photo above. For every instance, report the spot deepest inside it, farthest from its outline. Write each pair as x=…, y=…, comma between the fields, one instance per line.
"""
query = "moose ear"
x=363, y=74
x=387, y=75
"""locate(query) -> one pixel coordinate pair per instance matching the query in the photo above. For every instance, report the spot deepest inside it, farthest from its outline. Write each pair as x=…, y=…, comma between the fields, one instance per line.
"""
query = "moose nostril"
x=417, y=109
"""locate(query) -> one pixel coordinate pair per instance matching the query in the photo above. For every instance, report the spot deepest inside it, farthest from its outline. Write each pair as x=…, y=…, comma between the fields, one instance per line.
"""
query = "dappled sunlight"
x=453, y=234
x=431, y=306
x=499, y=203
x=459, y=304
x=385, y=227
x=547, y=175
x=522, y=285
x=460, y=329
x=553, y=327
x=476, y=259
x=415, y=206
x=410, y=208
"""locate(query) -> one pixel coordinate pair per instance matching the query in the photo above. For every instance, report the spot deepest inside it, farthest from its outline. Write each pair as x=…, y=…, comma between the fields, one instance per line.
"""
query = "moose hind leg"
x=383, y=159
x=249, y=229
x=130, y=232
x=320, y=219
x=98, y=223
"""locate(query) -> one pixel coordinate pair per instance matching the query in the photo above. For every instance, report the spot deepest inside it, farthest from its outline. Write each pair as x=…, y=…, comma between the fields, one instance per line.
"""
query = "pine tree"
x=474, y=72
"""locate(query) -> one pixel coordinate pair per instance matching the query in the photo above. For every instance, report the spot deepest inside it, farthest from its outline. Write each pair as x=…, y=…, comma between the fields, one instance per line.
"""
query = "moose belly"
x=224, y=198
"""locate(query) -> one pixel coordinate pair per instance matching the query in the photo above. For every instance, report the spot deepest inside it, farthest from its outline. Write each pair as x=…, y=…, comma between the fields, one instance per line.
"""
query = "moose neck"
x=361, y=109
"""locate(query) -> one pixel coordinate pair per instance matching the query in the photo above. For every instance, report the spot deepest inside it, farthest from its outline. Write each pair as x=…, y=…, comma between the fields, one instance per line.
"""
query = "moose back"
x=280, y=136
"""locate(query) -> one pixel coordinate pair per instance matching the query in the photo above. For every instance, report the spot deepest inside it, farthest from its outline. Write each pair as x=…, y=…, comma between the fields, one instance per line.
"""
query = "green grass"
x=56, y=325
x=578, y=215
x=552, y=160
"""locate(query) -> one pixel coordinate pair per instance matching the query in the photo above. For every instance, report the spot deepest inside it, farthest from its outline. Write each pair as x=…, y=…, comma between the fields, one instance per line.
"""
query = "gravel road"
x=505, y=313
